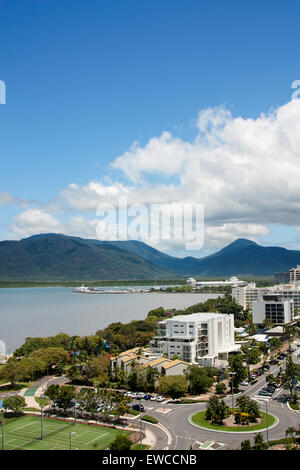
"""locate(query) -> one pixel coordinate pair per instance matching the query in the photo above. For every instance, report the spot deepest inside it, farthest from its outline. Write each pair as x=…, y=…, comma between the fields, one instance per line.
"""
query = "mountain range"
x=61, y=257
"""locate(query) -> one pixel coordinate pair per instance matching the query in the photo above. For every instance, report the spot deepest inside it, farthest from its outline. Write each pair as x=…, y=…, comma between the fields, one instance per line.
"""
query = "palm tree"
x=291, y=431
x=151, y=375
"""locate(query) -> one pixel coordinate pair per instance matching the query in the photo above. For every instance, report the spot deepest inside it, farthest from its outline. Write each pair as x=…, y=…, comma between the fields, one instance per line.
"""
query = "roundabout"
x=268, y=421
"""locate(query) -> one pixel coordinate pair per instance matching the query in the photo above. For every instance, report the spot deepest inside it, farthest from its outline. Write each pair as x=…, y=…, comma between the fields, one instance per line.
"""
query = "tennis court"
x=24, y=433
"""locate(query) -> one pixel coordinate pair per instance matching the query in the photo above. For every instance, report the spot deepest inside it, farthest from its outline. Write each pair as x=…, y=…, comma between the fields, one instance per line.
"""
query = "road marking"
x=101, y=435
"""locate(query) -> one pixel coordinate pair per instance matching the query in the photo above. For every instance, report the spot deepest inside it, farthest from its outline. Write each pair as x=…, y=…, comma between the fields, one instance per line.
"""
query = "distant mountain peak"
x=238, y=244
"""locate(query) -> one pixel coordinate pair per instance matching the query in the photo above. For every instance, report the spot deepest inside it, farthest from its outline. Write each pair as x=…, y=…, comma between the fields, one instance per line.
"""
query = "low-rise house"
x=176, y=367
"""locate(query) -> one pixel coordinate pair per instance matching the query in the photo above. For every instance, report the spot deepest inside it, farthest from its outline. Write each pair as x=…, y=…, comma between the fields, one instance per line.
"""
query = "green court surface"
x=24, y=433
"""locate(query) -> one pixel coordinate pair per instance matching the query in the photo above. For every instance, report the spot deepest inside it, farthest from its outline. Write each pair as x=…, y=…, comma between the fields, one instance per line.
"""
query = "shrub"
x=149, y=419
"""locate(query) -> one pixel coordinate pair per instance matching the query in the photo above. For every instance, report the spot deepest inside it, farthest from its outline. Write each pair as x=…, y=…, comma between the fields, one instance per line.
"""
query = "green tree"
x=52, y=393
x=259, y=443
x=236, y=365
x=65, y=395
x=14, y=371
x=152, y=374
x=220, y=388
x=246, y=445
x=275, y=344
x=248, y=406
x=216, y=410
x=291, y=374
x=175, y=386
x=199, y=380
x=291, y=431
x=15, y=403
x=121, y=442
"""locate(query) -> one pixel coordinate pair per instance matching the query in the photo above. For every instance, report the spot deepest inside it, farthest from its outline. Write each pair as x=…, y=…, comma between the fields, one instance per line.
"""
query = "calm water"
x=50, y=310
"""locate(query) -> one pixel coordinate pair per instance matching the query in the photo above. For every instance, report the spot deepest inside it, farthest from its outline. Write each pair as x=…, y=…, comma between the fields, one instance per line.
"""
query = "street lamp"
x=141, y=445
x=70, y=441
x=42, y=417
x=2, y=412
x=267, y=425
x=232, y=374
x=248, y=362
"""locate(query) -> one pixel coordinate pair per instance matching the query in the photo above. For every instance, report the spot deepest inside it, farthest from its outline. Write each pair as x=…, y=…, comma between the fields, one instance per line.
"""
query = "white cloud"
x=246, y=172
x=34, y=221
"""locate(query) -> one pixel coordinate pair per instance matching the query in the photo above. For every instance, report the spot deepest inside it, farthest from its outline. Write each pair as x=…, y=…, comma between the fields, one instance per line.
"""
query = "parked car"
x=244, y=383
x=253, y=381
x=264, y=393
x=147, y=396
x=160, y=398
x=266, y=367
x=269, y=389
x=153, y=398
x=138, y=407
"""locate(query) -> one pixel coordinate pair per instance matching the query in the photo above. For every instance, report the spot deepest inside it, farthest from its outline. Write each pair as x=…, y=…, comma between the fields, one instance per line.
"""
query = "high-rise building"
x=203, y=338
x=273, y=308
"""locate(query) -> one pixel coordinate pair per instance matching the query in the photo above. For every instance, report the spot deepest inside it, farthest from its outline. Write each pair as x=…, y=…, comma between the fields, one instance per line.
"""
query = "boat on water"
x=91, y=290
x=87, y=290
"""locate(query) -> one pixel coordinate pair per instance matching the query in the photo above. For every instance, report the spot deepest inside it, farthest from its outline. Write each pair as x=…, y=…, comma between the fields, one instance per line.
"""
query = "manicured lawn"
x=199, y=420
x=24, y=433
x=137, y=446
x=294, y=406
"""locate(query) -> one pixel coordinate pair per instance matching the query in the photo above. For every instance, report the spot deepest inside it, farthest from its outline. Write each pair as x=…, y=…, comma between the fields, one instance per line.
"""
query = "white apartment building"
x=245, y=295
x=203, y=338
x=295, y=274
x=278, y=311
x=289, y=291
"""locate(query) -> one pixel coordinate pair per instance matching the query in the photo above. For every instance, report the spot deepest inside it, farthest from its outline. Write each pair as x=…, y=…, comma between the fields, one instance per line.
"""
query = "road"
x=181, y=435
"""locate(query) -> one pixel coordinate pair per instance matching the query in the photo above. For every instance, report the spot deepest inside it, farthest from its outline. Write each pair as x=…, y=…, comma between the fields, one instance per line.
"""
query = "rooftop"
x=201, y=316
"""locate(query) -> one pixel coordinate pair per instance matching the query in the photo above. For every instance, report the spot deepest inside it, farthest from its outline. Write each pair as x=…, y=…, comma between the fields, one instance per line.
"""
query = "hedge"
x=149, y=419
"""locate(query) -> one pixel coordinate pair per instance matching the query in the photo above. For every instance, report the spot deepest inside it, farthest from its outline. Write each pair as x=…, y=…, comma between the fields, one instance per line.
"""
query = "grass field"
x=25, y=432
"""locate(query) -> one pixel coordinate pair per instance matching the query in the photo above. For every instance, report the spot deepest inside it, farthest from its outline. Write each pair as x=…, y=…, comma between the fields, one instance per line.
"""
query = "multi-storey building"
x=273, y=308
x=295, y=274
x=247, y=294
x=205, y=338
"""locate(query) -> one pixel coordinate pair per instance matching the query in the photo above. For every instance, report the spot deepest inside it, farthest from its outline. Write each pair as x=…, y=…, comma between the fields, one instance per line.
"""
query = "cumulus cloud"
x=245, y=172
x=34, y=221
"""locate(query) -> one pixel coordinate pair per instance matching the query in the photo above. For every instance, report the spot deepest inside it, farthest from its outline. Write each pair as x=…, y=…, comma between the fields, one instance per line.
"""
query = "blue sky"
x=86, y=79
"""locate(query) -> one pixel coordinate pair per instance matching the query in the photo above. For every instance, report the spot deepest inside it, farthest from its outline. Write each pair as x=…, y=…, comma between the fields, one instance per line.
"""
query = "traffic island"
x=266, y=421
